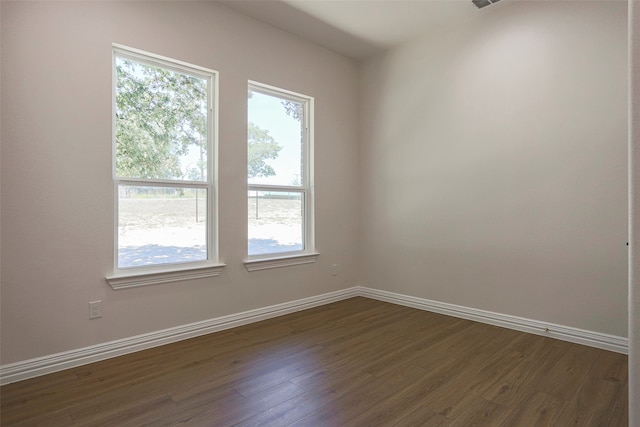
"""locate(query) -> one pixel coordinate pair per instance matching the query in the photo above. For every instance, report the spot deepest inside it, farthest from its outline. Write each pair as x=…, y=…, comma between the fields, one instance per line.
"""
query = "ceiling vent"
x=482, y=3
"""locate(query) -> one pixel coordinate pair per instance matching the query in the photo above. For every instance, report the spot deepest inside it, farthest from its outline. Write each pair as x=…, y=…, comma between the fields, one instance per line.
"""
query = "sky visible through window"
x=268, y=113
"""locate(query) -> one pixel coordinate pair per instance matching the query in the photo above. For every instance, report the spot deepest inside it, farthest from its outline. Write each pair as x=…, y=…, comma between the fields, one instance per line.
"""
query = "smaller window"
x=279, y=173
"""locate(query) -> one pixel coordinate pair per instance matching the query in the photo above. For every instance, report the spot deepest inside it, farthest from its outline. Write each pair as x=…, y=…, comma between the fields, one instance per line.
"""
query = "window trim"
x=309, y=253
x=159, y=275
x=170, y=272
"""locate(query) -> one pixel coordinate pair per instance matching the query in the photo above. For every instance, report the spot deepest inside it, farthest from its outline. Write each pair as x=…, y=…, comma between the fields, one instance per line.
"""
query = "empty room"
x=319, y=213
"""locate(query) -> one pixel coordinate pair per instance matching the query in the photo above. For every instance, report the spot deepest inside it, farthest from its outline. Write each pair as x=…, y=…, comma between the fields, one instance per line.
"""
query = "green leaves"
x=160, y=114
x=293, y=109
x=261, y=147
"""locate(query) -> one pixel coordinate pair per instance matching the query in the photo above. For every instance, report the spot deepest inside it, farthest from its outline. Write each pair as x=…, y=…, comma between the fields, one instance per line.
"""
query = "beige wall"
x=494, y=165
x=57, y=202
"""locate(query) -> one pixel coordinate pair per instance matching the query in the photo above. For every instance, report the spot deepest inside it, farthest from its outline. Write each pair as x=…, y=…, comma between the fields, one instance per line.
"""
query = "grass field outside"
x=172, y=230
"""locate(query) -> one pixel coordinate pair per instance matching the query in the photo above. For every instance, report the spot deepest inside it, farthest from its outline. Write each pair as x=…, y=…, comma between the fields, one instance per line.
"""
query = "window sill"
x=283, y=261
x=134, y=280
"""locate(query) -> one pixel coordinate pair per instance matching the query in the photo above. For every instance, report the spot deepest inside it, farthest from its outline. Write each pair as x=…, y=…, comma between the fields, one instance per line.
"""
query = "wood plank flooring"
x=357, y=362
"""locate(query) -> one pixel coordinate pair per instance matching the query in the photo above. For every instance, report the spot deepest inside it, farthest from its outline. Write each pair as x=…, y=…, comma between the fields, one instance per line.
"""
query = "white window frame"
x=166, y=273
x=308, y=254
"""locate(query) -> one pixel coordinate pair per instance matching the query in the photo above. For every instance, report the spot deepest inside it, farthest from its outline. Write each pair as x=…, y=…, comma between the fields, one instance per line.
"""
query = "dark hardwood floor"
x=357, y=362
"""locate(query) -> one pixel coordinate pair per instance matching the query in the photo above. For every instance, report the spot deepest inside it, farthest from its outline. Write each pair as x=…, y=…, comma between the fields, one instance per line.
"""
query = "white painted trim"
x=69, y=359
x=285, y=261
x=279, y=92
x=564, y=333
x=156, y=277
x=152, y=58
x=634, y=208
x=57, y=362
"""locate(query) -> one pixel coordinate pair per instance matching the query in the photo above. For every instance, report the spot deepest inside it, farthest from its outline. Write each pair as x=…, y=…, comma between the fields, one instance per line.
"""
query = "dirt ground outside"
x=173, y=230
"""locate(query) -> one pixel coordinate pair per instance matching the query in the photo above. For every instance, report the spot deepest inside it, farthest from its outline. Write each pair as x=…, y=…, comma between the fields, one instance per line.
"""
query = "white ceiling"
x=359, y=28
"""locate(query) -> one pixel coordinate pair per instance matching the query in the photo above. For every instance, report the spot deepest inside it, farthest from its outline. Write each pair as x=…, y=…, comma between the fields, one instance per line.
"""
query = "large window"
x=163, y=163
x=279, y=173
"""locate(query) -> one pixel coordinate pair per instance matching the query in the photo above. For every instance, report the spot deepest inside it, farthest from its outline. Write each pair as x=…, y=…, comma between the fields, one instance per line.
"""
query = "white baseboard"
x=70, y=359
x=564, y=333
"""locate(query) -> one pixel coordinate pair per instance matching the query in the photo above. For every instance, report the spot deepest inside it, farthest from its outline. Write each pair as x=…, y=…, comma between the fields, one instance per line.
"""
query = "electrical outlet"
x=334, y=269
x=95, y=309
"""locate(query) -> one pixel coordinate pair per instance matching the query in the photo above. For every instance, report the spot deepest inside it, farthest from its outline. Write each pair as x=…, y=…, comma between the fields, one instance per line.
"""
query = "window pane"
x=161, y=123
x=161, y=225
x=275, y=222
x=275, y=140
